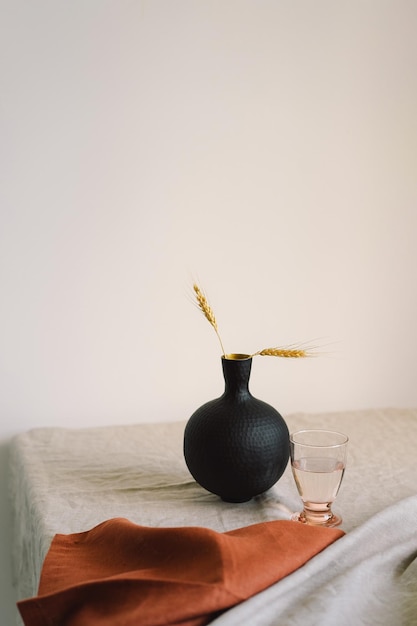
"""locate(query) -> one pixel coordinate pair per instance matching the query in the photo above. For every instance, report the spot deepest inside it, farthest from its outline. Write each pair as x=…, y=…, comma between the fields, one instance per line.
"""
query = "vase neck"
x=236, y=374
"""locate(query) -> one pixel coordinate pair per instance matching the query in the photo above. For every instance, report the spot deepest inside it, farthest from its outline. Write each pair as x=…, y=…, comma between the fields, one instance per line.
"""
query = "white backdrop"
x=267, y=149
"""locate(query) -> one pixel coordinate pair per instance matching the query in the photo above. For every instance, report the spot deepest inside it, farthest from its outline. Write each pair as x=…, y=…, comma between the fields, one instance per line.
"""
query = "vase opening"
x=236, y=357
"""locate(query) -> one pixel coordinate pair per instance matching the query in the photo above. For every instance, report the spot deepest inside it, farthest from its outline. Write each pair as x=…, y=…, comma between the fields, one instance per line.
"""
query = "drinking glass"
x=318, y=461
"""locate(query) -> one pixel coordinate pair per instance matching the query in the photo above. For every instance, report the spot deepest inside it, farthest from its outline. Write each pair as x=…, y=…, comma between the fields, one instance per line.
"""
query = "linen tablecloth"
x=69, y=480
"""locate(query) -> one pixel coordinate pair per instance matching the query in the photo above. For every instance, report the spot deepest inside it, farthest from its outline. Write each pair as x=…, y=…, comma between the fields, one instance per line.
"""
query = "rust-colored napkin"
x=122, y=574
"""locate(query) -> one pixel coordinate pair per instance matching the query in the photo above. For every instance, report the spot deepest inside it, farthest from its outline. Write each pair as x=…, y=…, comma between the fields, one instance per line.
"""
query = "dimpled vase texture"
x=236, y=446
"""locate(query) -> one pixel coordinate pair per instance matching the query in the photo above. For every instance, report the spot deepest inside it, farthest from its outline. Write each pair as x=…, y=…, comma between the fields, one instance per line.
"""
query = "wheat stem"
x=292, y=351
x=286, y=353
x=207, y=312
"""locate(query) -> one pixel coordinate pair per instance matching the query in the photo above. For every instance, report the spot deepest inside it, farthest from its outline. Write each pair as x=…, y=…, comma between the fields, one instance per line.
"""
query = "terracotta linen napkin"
x=123, y=574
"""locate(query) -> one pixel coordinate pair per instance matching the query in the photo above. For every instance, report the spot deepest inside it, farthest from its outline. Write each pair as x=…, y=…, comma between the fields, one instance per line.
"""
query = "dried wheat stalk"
x=207, y=311
x=286, y=353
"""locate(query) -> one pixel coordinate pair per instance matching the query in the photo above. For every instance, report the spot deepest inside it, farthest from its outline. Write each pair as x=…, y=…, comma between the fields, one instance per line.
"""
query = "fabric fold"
x=123, y=574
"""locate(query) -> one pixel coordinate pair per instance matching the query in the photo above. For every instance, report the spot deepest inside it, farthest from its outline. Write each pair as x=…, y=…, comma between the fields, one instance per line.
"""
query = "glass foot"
x=317, y=520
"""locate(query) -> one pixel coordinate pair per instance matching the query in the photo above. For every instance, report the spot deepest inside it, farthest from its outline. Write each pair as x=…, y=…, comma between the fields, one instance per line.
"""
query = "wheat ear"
x=286, y=353
x=207, y=311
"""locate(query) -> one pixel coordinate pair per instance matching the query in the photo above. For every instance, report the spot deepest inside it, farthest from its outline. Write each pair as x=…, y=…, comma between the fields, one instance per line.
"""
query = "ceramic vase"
x=236, y=446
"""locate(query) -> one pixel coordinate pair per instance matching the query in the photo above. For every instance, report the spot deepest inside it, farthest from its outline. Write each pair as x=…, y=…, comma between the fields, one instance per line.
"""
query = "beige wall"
x=266, y=148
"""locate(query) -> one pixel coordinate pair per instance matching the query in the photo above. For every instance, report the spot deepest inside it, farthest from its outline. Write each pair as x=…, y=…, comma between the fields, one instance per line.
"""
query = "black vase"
x=236, y=446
